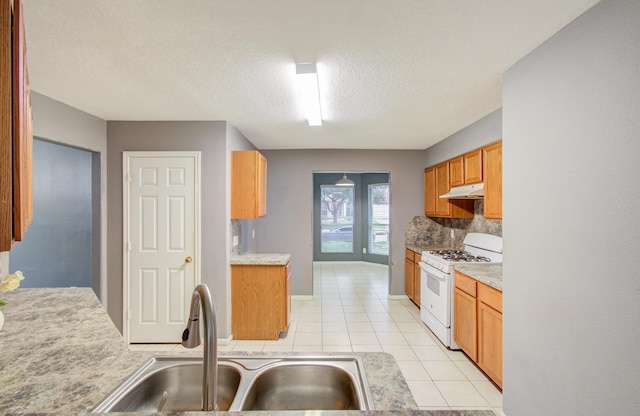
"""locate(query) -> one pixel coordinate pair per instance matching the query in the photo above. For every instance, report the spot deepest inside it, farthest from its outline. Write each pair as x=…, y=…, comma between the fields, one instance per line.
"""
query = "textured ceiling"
x=393, y=74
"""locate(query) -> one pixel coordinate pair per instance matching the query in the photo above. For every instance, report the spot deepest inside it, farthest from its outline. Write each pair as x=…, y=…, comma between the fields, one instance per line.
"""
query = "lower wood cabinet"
x=477, y=318
x=260, y=301
x=465, y=322
x=412, y=275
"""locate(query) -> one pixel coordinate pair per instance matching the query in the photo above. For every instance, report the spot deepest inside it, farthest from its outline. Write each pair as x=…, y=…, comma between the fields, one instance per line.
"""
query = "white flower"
x=11, y=281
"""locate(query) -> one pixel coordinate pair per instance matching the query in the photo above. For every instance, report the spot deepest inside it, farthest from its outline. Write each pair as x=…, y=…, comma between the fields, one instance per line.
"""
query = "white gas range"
x=436, y=280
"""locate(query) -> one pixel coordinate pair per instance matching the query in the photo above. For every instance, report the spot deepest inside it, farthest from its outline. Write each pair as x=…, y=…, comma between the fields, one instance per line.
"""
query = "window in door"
x=379, y=219
x=336, y=219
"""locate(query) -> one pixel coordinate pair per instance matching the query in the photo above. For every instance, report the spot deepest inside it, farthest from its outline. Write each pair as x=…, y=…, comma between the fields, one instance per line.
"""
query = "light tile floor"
x=351, y=312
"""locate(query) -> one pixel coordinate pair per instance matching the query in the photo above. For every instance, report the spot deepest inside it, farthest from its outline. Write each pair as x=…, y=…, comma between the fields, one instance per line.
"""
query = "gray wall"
x=287, y=228
x=208, y=137
x=56, y=250
x=571, y=191
x=60, y=123
x=484, y=131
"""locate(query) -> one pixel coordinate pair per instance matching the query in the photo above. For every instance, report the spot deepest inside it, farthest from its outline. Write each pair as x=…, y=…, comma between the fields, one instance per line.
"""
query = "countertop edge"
x=489, y=274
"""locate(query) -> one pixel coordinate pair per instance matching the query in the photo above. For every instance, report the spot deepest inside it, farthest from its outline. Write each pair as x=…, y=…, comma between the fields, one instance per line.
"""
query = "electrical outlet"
x=364, y=250
x=253, y=233
x=453, y=234
x=235, y=240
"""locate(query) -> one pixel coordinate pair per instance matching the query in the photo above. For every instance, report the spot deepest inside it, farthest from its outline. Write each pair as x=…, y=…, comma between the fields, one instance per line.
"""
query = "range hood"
x=475, y=191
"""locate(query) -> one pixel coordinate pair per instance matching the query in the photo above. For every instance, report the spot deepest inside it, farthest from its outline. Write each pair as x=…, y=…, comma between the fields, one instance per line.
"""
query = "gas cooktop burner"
x=458, y=255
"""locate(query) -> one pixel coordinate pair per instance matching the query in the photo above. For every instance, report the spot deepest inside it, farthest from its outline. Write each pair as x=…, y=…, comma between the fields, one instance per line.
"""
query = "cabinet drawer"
x=490, y=296
x=412, y=256
x=466, y=284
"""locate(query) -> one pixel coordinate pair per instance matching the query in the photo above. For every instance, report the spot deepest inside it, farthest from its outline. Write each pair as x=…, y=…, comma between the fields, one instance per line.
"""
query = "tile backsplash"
x=424, y=231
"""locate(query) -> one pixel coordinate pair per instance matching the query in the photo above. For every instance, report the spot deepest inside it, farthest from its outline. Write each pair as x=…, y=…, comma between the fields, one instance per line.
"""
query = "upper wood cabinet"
x=492, y=167
x=449, y=208
x=248, y=184
x=456, y=171
x=480, y=165
x=16, y=131
x=472, y=167
x=466, y=169
x=443, y=208
x=430, y=192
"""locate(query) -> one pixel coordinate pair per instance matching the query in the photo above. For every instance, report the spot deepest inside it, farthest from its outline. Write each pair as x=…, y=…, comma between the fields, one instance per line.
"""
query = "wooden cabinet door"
x=473, y=167
x=443, y=208
x=258, y=301
x=492, y=161
x=248, y=184
x=409, y=278
x=16, y=128
x=287, y=294
x=456, y=171
x=6, y=129
x=430, y=192
x=464, y=322
x=490, y=342
x=262, y=186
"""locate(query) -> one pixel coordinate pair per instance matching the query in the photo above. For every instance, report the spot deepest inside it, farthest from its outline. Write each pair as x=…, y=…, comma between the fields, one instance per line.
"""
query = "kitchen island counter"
x=489, y=274
x=263, y=259
x=61, y=354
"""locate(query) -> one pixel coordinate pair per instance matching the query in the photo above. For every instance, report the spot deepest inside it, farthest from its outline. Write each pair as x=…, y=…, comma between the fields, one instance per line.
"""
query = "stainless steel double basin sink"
x=174, y=383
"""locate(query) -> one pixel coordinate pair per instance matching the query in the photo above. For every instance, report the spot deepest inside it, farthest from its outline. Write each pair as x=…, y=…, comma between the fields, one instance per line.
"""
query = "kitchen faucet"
x=191, y=339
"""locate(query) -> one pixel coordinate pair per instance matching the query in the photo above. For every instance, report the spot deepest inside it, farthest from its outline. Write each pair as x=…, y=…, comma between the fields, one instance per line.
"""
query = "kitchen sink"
x=309, y=386
x=174, y=383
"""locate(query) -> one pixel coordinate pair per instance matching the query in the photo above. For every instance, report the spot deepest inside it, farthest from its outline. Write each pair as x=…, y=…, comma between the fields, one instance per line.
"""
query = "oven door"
x=434, y=293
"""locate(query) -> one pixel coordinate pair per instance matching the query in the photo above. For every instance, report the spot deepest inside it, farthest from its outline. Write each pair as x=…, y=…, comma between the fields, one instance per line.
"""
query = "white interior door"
x=161, y=243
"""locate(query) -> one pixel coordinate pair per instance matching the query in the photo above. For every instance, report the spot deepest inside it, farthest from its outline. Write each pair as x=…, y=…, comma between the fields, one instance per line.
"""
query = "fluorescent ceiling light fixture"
x=344, y=181
x=307, y=76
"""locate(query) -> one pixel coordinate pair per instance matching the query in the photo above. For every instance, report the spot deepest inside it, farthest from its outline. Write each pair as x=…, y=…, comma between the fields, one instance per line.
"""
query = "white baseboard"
x=225, y=341
x=397, y=297
x=301, y=297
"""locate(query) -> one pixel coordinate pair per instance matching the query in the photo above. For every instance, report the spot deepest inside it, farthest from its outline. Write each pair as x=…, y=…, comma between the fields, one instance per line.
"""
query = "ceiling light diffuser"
x=307, y=76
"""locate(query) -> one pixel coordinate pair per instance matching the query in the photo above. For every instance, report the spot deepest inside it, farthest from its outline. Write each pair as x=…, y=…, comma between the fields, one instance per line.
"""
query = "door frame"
x=126, y=156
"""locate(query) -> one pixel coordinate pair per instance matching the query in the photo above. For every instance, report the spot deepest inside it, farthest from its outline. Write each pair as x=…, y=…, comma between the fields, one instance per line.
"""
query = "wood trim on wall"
x=22, y=130
x=6, y=202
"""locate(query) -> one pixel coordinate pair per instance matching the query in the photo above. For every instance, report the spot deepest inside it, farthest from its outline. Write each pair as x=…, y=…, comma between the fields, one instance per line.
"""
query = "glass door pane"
x=336, y=219
x=379, y=219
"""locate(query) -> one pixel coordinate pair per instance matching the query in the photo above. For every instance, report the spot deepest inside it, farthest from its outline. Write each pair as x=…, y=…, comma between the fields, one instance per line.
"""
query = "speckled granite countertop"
x=61, y=354
x=420, y=249
x=489, y=274
x=261, y=259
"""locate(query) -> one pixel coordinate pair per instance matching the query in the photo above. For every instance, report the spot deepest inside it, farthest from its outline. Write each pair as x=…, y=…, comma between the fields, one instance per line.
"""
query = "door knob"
x=188, y=260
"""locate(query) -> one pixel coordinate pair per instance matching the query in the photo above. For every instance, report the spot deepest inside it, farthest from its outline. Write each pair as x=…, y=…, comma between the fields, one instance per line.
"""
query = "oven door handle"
x=433, y=272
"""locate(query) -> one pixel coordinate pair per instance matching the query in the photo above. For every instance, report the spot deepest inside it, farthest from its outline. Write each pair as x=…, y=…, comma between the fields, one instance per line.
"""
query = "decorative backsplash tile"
x=236, y=230
x=422, y=231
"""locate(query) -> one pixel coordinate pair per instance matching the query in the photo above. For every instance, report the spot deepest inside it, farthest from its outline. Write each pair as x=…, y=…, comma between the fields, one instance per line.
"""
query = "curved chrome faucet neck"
x=201, y=299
